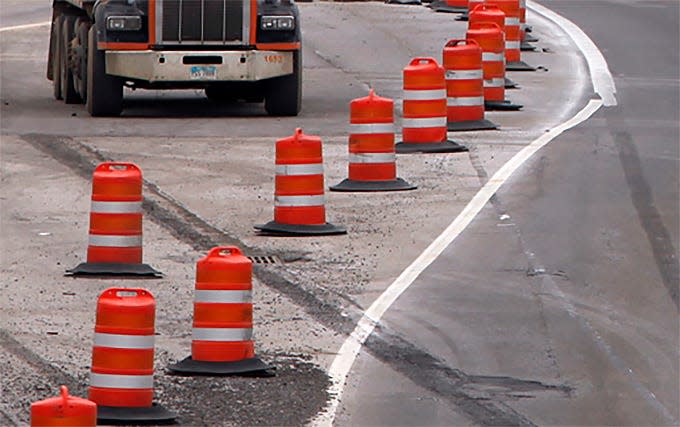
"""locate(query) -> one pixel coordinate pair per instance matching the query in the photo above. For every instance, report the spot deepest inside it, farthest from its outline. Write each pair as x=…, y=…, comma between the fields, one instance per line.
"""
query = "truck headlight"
x=123, y=23
x=281, y=23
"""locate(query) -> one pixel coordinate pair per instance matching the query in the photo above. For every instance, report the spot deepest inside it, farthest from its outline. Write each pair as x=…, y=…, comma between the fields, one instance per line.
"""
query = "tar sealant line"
x=25, y=26
x=603, y=82
x=350, y=348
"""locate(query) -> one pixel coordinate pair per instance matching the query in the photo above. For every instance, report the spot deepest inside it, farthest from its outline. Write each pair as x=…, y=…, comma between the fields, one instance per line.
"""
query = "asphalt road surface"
x=559, y=304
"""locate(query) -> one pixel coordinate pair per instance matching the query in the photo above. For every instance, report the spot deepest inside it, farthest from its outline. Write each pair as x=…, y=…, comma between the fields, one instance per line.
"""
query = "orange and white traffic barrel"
x=472, y=4
x=299, y=201
x=424, y=109
x=372, y=156
x=449, y=6
x=490, y=38
x=115, y=235
x=64, y=410
x=121, y=377
x=525, y=38
x=222, y=330
x=512, y=35
x=464, y=86
x=491, y=13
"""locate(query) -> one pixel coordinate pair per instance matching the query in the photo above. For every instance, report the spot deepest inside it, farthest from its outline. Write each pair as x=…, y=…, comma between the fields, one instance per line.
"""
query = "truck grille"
x=201, y=22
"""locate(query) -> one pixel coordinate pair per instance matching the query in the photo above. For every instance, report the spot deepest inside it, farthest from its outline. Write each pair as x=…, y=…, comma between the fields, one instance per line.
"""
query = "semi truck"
x=247, y=50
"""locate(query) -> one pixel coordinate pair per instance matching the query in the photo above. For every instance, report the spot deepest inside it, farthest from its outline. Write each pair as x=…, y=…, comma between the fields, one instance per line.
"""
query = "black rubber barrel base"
x=112, y=269
x=155, y=414
x=527, y=47
x=509, y=84
x=470, y=125
x=501, y=106
x=463, y=17
x=277, y=229
x=350, y=185
x=441, y=6
x=429, y=147
x=249, y=367
x=518, y=66
x=529, y=38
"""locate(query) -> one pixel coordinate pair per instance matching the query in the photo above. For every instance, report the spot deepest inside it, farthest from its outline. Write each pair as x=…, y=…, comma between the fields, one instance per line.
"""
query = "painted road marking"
x=25, y=26
x=603, y=84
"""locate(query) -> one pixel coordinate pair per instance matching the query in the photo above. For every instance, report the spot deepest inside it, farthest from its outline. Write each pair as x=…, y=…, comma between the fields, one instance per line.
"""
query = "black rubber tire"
x=283, y=95
x=55, y=41
x=68, y=89
x=104, y=92
x=80, y=29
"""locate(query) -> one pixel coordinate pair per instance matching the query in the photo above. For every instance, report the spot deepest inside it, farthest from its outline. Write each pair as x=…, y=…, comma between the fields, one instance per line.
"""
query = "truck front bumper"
x=199, y=66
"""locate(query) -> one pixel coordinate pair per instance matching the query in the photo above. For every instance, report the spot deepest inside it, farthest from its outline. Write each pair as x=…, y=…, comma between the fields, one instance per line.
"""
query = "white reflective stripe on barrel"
x=120, y=381
x=116, y=207
x=495, y=82
x=512, y=44
x=424, y=122
x=223, y=296
x=371, y=128
x=301, y=201
x=522, y=4
x=222, y=334
x=424, y=95
x=372, y=157
x=137, y=342
x=115, y=241
x=306, y=169
x=464, y=74
x=467, y=101
x=491, y=56
x=511, y=21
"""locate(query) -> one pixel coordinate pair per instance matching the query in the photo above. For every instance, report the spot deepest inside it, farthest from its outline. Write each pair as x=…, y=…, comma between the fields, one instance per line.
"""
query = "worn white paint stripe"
x=603, y=82
x=137, y=342
x=372, y=157
x=492, y=57
x=299, y=201
x=223, y=296
x=116, y=207
x=350, y=348
x=115, y=241
x=424, y=95
x=465, y=101
x=371, y=128
x=464, y=74
x=25, y=26
x=222, y=334
x=306, y=169
x=121, y=381
x=424, y=122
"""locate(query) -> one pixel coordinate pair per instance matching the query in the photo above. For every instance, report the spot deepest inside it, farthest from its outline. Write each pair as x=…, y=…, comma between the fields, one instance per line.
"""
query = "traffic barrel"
x=299, y=201
x=512, y=35
x=491, y=13
x=222, y=330
x=64, y=410
x=464, y=86
x=449, y=6
x=472, y=4
x=115, y=235
x=372, y=156
x=121, y=377
x=424, y=109
x=492, y=41
x=525, y=38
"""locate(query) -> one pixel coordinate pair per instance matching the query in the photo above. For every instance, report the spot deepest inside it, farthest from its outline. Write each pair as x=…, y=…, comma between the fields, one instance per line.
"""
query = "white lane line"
x=350, y=348
x=25, y=26
x=603, y=82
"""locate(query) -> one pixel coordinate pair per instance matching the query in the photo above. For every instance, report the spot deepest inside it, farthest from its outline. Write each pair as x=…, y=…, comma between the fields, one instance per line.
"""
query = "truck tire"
x=68, y=90
x=81, y=28
x=104, y=92
x=55, y=64
x=283, y=96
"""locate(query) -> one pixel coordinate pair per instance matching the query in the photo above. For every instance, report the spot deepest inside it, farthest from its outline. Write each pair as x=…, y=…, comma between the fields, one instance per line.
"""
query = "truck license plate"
x=204, y=72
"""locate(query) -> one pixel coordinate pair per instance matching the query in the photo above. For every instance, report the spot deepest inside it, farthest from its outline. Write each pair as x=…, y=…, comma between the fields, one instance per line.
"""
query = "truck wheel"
x=55, y=64
x=68, y=90
x=104, y=92
x=283, y=95
x=80, y=29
